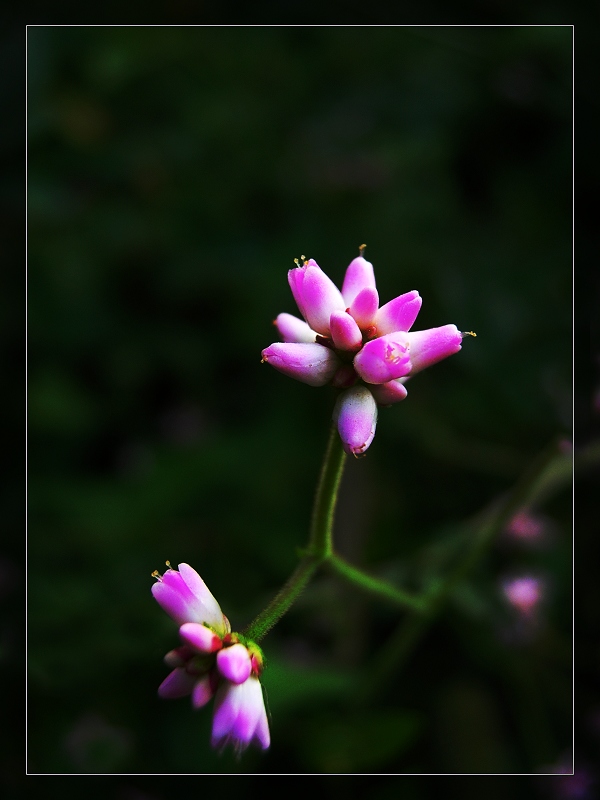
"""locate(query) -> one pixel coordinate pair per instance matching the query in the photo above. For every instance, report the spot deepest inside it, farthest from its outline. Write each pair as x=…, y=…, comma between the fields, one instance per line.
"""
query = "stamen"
x=361, y=249
x=468, y=333
x=156, y=574
x=296, y=262
x=168, y=563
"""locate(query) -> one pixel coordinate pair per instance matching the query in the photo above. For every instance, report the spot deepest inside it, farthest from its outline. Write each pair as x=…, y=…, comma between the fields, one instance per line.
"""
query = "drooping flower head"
x=212, y=661
x=347, y=340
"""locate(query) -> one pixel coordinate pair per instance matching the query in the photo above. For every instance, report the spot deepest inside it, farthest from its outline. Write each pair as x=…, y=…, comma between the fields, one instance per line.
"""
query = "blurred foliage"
x=174, y=173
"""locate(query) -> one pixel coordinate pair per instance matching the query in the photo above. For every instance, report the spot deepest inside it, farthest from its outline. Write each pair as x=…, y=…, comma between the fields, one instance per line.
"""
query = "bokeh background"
x=174, y=174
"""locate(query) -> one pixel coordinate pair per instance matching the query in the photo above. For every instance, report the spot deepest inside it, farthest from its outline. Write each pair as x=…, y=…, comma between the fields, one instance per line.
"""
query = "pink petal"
x=399, y=314
x=251, y=710
x=359, y=276
x=387, y=393
x=240, y=716
x=234, y=663
x=177, y=605
x=295, y=280
x=185, y=597
x=430, y=346
x=321, y=298
x=200, y=637
x=212, y=611
x=293, y=329
x=314, y=364
x=364, y=307
x=228, y=701
x=178, y=657
x=355, y=414
x=202, y=692
x=345, y=332
x=177, y=684
x=384, y=359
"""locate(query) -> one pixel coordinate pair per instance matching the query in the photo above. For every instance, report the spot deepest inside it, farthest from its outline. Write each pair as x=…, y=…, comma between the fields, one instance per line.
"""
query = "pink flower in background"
x=212, y=660
x=523, y=593
x=527, y=528
x=347, y=340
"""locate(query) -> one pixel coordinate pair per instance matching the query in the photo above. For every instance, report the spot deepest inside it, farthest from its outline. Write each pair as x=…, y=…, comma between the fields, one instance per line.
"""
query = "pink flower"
x=523, y=593
x=347, y=340
x=240, y=716
x=212, y=660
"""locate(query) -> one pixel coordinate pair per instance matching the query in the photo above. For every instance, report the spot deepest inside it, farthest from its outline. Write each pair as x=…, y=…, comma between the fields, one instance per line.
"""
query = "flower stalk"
x=321, y=529
x=320, y=552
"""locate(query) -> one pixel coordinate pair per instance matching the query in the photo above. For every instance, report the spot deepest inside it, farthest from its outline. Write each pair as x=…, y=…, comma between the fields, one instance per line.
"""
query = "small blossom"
x=348, y=341
x=212, y=660
x=523, y=593
x=355, y=413
x=240, y=716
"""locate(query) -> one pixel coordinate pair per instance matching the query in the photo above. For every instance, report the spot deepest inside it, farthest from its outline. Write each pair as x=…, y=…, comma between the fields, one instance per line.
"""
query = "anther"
x=468, y=333
x=156, y=574
x=361, y=249
x=168, y=563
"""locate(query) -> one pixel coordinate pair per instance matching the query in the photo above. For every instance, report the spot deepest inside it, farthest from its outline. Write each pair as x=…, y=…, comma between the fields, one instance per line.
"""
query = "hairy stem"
x=321, y=527
x=375, y=586
x=320, y=544
x=282, y=601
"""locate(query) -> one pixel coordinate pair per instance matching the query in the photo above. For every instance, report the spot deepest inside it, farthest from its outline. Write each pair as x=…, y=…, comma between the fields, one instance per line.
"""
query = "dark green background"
x=174, y=173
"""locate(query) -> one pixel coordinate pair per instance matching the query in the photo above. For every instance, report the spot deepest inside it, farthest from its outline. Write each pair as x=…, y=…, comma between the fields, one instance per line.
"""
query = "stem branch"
x=375, y=586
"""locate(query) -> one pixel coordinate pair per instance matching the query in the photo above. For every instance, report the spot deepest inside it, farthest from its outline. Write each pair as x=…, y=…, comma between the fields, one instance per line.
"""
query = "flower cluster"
x=212, y=661
x=347, y=340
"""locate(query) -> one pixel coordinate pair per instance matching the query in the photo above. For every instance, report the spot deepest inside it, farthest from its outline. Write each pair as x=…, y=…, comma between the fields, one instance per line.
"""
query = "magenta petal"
x=355, y=414
x=202, y=692
x=234, y=663
x=314, y=364
x=345, y=332
x=212, y=613
x=387, y=393
x=177, y=684
x=179, y=656
x=228, y=701
x=364, y=307
x=384, y=359
x=293, y=329
x=200, y=637
x=180, y=607
x=359, y=276
x=240, y=716
x=261, y=732
x=399, y=314
x=185, y=597
x=321, y=298
x=295, y=280
x=432, y=345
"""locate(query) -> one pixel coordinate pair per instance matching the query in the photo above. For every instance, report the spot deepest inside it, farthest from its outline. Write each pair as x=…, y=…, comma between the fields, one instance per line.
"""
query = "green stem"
x=549, y=473
x=321, y=528
x=320, y=544
x=262, y=624
x=375, y=586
